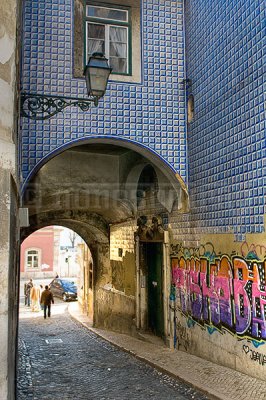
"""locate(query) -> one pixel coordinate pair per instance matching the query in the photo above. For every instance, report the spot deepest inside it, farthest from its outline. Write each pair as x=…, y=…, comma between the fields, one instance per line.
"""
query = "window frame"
x=39, y=253
x=101, y=21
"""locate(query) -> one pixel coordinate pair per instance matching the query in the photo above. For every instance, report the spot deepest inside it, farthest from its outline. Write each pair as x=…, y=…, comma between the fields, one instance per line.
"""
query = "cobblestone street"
x=61, y=359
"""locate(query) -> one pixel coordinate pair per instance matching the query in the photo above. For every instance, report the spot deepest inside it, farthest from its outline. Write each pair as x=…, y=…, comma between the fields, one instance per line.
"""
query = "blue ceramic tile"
x=226, y=135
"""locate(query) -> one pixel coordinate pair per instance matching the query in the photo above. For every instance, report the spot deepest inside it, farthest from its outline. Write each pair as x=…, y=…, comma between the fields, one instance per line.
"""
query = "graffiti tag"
x=253, y=251
x=255, y=355
x=182, y=336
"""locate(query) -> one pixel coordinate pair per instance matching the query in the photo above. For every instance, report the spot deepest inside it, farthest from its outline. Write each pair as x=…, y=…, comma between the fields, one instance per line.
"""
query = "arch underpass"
x=95, y=189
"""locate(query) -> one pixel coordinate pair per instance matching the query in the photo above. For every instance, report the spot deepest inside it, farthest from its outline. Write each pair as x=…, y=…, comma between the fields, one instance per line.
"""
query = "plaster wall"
x=115, y=300
x=82, y=181
x=56, y=252
x=122, y=236
x=85, y=279
x=118, y=312
x=74, y=180
x=82, y=167
x=4, y=275
x=8, y=205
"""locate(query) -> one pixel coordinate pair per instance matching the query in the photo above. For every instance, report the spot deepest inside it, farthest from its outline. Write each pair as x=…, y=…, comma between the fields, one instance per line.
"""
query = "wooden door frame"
x=141, y=286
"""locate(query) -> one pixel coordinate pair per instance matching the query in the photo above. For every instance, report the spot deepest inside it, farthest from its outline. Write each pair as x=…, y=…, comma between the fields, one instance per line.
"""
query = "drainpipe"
x=166, y=287
x=137, y=283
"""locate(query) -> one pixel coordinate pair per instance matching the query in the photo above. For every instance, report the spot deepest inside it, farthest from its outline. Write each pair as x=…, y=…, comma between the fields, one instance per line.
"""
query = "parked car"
x=64, y=288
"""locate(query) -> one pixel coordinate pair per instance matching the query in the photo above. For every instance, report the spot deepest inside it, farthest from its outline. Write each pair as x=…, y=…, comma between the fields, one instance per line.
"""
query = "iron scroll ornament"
x=41, y=107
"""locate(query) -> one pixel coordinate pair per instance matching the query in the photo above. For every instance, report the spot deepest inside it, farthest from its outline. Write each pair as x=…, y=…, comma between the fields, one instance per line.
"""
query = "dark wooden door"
x=154, y=259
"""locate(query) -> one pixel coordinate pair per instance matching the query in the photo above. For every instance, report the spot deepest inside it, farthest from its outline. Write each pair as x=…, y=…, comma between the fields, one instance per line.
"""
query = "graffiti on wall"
x=253, y=251
x=220, y=292
x=182, y=337
x=255, y=355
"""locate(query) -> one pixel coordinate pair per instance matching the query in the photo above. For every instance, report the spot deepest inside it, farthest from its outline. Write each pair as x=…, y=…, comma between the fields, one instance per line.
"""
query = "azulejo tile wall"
x=151, y=113
x=226, y=140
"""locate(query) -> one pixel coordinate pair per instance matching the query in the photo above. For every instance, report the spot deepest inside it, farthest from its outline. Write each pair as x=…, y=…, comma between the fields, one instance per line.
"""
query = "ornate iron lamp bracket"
x=40, y=106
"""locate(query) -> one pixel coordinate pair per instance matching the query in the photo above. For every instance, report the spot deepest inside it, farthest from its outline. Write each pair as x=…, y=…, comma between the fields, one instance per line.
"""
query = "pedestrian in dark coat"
x=47, y=299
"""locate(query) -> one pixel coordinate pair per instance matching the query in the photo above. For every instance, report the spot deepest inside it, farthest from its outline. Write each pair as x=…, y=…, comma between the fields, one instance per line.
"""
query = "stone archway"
x=93, y=189
x=94, y=231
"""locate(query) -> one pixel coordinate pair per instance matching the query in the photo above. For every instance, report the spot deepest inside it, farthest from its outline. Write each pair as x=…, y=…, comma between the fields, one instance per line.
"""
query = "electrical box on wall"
x=143, y=281
x=23, y=217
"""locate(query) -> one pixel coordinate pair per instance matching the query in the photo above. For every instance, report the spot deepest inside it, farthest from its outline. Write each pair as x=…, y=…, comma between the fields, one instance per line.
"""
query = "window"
x=190, y=108
x=108, y=32
x=124, y=20
x=33, y=259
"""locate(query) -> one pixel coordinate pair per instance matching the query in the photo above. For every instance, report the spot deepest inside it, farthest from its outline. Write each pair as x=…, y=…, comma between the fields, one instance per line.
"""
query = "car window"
x=69, y=284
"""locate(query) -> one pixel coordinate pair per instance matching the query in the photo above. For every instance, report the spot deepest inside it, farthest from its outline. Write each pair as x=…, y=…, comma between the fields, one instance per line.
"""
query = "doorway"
x=153, y=255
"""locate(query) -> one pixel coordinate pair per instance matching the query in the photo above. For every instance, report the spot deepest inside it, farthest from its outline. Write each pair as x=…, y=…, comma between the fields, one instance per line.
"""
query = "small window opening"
x=190, y=108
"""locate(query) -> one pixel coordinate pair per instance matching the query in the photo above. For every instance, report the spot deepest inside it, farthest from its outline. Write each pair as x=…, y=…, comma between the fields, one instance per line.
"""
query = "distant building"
x=40, y=253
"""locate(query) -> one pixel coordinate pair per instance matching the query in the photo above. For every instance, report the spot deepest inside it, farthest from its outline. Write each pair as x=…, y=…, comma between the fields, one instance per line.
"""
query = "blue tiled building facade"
x=151, y=113
x=226, y=139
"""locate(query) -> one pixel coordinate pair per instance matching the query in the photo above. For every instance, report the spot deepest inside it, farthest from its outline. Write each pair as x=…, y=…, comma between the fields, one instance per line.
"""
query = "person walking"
x=28, y=286
x=41, y=290
x=47, y=299
x=25, y=293
x=35, y=298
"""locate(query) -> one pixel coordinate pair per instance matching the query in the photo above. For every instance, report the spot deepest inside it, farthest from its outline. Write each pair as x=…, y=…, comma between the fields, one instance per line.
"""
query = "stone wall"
x=122, y=254
x=8, y=198
x=118, y=312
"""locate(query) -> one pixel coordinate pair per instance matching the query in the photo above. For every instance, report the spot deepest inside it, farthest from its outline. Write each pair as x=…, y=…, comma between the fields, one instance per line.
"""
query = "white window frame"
x=104, y=7
x=39, y=253
x=100, y=21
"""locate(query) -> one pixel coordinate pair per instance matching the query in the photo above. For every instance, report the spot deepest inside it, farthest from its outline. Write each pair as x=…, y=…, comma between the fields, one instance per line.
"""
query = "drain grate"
x=52, y=341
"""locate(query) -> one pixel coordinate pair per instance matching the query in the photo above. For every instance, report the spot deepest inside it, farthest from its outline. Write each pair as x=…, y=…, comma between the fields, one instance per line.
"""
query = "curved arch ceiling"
x=97, y=179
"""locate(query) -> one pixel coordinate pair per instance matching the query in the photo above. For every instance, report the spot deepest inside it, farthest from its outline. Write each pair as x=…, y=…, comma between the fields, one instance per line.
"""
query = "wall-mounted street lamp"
x=41, y=106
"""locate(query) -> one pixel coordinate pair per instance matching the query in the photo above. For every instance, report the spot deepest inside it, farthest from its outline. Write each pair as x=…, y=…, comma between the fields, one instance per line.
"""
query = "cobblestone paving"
x=61, y=359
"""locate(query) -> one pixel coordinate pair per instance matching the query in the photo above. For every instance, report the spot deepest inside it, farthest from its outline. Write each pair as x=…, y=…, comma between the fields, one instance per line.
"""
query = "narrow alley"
x=61, y=359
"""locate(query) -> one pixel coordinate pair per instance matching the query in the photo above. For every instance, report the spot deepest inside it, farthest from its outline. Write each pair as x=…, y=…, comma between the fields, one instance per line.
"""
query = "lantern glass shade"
x=96, y=73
